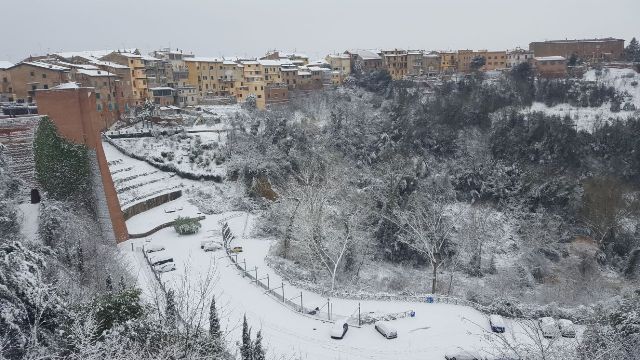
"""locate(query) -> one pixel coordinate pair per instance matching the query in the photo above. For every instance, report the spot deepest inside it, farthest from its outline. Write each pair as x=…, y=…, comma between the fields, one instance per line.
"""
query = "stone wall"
x=143, y=206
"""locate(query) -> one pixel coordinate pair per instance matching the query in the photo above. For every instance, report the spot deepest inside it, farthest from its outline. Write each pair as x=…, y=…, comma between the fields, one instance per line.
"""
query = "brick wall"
x=74, y=113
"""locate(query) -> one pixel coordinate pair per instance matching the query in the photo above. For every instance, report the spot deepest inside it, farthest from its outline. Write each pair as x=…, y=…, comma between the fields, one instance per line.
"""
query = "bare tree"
x=426, y=226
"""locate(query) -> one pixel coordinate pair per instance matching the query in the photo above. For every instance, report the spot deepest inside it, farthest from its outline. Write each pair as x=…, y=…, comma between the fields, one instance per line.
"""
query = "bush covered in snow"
x=186, y=226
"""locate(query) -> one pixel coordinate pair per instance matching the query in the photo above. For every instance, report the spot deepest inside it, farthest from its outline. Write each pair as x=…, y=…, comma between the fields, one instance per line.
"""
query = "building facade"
x=29, y=76
x=552, y=67
x=590, y=50
x=518, y=56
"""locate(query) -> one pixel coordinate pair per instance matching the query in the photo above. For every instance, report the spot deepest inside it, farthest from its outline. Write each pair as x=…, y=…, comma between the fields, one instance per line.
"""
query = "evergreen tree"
x=122, y=284
x=246, y=350
x=171, y=312
x=214, y=326
x=258, y=351
x=632, y=51
x=109, y=283
x=477, y=63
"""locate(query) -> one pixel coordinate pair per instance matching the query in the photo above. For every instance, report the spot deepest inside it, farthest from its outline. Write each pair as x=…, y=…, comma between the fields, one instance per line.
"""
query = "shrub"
x=186, y=226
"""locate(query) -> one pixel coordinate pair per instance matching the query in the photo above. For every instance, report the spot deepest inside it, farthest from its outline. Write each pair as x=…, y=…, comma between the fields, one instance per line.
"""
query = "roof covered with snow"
x=5, y=64
x=365, y=54
x=95, y=73
x=64, y=86
x=45, y=65
x=90, y=53
x=550, y=58
x=203, y=59
x=109, y=64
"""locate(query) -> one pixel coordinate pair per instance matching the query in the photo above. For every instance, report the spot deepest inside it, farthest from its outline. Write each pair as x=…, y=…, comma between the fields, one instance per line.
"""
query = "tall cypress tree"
x=171, y=312
x=258, y=351
x=214, y=327
x=246, y=350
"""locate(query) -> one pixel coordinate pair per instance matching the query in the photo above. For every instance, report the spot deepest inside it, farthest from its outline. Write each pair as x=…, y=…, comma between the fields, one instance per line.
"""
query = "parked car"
x=211, y=246
x=497, y=323
x=339, y=329
x=236, y=249
x=151, y=248
x=166, y=267
x=566, y=328
x=463, y=355
x=549, y=327
x=159, y=260
x=386, y=329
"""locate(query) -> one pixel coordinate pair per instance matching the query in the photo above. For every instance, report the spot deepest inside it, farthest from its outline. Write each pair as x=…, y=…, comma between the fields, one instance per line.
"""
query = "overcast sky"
x=251, y=27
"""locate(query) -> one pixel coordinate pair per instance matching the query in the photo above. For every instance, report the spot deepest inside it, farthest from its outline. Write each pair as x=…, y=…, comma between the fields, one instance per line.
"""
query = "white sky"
x=251, y=27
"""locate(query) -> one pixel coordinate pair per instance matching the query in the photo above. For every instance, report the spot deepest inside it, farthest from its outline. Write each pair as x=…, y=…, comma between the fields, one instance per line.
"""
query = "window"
x=33, y=87
x=33, y=74
x=97, y=96
x=99, y=107
x=44, y=76
x=46, y=86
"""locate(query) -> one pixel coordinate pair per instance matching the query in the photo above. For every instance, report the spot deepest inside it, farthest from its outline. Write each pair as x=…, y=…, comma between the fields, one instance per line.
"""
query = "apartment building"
x=364, y=60
x=6, y=89
x=252, y=83
x=139, y=81
x=590, y=50
x=518, y=56
x=494, y=60
x=448, y=61
x=272, y=74
x=27, y=77
x=203, y=73
x=431, y=64
x=107, y=91
x=415, y=60
x=340, y=65
x=395, y=61
x=124, y=83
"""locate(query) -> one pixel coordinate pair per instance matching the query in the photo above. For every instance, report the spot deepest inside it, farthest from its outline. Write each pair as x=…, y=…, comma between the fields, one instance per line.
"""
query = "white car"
x=151, y=248
x=339, y=329
x=386, y=329
x=463, y=355
x=211, y=246
x=566, y=328
x=160, y=259
x=497, y=323
x=549, y=327
x=166, y=267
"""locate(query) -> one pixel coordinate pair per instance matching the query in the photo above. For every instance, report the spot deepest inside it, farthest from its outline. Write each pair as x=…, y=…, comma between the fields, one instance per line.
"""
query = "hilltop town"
x=126, y=78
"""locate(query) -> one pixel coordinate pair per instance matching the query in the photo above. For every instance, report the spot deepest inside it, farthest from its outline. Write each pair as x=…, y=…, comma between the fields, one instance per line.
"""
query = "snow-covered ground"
x=30, y=216
x=136, y=180
x=589, y=118
x=436, y=328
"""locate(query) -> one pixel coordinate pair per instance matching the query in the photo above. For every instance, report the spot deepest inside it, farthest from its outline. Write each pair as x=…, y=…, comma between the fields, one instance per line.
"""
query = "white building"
x=518, y=56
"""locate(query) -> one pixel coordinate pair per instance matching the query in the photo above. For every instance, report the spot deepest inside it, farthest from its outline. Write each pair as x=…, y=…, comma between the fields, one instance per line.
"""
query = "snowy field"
x=435, y=329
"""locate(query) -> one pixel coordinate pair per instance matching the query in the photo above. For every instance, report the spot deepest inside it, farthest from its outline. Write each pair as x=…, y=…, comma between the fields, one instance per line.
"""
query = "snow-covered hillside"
x=625, y=81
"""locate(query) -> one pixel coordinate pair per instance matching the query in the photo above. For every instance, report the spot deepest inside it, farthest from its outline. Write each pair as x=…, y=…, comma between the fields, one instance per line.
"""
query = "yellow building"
x=395, y=61
x=253, y=83
x=204, y=73
x=494, y=60
x=139, y=85
x=448, y=61
x=272, y=74
x=341, y=67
